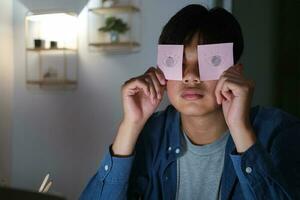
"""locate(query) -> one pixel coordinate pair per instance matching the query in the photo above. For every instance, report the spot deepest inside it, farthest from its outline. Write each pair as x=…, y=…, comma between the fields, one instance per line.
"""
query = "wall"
x=6, y=92
x=258, y=21
x=287, y=82
x=66, y=133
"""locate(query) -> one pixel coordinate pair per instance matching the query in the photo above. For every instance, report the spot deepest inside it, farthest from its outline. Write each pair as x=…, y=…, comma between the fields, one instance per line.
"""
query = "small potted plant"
x=114, y=26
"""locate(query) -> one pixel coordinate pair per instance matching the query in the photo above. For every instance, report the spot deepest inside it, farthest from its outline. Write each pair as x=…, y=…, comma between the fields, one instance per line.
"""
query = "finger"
x=227, y=76
x=227, y=95
x=226, y=90
x=238, y=68
x=230, y=87
x=156, y=84
x=149, y=81
x=234, y=70
x=160, y=75
x=234, y=76
x=163, y=81
x=218, y=88
x=134, y=85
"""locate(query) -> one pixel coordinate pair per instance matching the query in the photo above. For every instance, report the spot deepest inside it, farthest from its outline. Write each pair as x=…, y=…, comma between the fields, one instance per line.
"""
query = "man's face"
x=192, y=96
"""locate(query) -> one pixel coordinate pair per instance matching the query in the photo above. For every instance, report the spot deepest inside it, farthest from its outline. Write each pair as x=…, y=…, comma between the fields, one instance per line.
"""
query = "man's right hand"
x=141, y=96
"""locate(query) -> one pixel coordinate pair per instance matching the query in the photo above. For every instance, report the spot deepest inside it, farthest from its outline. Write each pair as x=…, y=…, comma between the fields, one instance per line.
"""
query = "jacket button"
x=248, y=170
x=106, y=167
x=170, y=149
x=177, y=151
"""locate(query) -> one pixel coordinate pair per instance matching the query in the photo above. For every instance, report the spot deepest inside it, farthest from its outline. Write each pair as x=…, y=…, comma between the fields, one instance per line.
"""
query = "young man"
x=209, y=144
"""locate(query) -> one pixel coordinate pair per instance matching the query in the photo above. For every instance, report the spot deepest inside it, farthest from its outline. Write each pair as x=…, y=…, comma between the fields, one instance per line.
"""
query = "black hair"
x=216, y=25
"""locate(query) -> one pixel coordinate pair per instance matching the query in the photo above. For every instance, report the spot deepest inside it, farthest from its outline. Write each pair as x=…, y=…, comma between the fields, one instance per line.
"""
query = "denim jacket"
x=269, y=169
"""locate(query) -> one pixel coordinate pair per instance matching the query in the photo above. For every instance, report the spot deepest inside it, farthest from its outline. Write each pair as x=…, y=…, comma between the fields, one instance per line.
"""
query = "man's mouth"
x=192, y=94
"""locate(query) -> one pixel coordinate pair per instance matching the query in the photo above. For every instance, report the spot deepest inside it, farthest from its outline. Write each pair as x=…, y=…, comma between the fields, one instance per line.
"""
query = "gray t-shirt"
x=199, y=169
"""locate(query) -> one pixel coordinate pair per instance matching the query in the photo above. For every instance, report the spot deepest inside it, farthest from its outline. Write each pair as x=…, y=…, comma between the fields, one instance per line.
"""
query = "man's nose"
x=191, y=74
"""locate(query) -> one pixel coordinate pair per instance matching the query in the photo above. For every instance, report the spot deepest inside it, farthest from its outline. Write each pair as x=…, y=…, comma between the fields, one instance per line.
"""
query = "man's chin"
x=196, y=110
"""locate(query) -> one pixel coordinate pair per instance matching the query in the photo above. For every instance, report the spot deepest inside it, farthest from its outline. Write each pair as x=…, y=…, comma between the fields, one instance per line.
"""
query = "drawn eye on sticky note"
x=214, y=59
x=169, y=60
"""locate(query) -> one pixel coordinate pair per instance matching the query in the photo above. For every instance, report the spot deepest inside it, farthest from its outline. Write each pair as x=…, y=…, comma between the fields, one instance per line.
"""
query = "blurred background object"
x=17, y=194
x=271, y=31
x=67, y=132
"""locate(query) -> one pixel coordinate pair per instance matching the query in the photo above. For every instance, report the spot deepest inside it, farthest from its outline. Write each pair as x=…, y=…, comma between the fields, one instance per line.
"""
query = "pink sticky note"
x=169, y=60
x=214, y=59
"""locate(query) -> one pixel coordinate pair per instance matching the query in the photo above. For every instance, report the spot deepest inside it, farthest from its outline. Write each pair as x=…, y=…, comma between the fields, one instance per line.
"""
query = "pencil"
x=44, y=183
x=47, y=187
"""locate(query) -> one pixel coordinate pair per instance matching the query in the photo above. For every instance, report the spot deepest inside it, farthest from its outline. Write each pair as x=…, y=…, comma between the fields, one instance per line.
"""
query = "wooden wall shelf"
x=115, y=9
x=130, y=41
x=51, y=82
x=46, y=67
x=50, y=49
x=115, y=45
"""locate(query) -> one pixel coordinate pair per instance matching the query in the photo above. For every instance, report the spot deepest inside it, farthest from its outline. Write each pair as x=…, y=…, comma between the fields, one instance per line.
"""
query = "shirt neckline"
x=208, y=149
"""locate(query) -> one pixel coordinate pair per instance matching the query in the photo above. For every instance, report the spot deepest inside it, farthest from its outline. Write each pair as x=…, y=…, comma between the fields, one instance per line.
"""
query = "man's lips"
x=192, y=94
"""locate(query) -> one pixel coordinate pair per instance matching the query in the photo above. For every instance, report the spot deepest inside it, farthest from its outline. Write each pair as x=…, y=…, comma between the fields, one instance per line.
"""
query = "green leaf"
x=114, y=24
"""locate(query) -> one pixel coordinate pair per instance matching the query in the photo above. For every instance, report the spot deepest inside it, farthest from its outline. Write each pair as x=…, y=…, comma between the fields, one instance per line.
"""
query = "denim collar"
x=173, y=131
